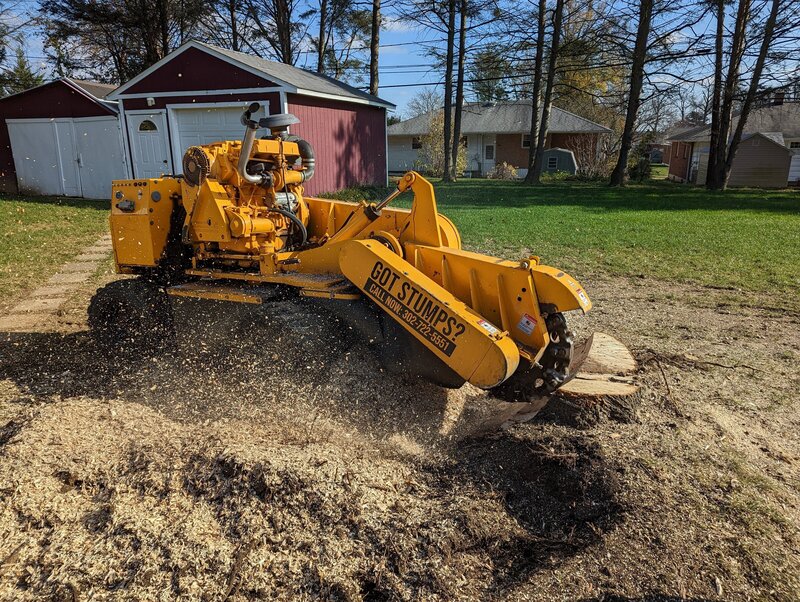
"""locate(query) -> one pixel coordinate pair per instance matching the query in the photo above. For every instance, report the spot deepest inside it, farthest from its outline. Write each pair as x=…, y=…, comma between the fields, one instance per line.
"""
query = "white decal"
x=488, y=327
x=527, y=323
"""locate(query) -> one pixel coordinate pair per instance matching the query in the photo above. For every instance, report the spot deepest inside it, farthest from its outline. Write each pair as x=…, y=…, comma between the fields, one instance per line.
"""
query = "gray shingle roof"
x=783, y=118
x=501, y=118
x=96, y=89
x=298, y=78
x=776, y=137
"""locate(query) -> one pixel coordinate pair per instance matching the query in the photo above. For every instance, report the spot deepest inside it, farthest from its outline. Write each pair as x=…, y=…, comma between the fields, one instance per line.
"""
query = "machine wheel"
x=131, y=318
x=399, y=352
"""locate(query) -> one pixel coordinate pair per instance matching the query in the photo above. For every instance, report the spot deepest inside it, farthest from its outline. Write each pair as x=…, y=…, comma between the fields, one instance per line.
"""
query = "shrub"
x=639, y=166
x=503, y=171
x=430, y=159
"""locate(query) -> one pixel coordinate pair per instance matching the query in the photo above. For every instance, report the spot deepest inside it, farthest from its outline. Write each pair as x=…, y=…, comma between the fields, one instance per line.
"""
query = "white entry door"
x=148, y=136
x=489, y=152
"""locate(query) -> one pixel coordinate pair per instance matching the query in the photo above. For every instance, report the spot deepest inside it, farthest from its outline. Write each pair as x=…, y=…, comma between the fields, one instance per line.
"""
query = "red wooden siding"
x=52, y=100
x=349, y=141
x=194, y=69
x=161, y=102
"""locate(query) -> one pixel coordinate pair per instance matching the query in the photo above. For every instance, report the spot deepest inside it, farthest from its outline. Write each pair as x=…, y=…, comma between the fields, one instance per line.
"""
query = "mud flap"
x=471, y=346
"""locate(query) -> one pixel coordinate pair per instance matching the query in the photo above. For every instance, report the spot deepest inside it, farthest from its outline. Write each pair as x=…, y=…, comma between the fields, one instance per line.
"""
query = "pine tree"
x=21, y=76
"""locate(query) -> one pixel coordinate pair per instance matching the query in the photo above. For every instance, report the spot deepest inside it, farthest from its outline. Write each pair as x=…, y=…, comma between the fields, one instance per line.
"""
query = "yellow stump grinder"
x=235, y=230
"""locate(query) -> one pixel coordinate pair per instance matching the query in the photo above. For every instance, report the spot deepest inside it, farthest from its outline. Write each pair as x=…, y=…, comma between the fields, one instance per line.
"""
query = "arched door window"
x=147, y=126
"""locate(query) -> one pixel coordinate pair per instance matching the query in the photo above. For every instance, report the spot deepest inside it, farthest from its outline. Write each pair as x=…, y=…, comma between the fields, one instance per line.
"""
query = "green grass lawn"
x=37, y=235
x=659, y=172
x=747, y=239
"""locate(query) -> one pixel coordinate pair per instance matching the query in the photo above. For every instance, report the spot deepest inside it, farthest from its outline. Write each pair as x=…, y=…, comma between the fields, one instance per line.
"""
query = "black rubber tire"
x=131, y=318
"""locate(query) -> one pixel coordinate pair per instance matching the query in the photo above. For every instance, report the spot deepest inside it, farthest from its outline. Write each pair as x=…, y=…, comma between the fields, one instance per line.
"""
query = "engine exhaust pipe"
x=306, y=156
x=251, y=127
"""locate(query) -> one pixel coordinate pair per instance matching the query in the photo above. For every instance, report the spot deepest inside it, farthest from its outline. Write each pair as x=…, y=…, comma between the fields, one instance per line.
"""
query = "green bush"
x=558, y=176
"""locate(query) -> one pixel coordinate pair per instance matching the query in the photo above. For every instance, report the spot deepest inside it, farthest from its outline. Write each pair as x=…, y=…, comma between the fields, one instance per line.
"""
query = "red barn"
x=196, y=95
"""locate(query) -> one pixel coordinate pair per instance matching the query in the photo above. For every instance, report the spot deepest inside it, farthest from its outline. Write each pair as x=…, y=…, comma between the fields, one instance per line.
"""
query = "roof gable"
x=197, y=66
x=775, y=138
x=195, y=69
x=502, y=118
x=65, y=97
x=305, y=82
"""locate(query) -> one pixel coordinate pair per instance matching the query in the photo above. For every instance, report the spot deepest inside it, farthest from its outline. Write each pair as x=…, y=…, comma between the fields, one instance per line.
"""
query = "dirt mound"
x=108, y=496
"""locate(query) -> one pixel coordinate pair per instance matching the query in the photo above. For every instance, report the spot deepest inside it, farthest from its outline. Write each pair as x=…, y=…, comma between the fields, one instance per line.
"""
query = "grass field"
x=659, y=172
x=747, y=239
x=37, y=235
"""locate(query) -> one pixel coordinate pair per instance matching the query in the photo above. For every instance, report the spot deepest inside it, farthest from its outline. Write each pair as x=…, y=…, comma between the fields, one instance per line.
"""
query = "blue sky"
x=402, y=60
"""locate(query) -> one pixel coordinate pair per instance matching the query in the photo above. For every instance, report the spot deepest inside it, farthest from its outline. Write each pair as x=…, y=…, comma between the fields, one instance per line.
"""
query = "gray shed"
x=762, y=161
x=560, y=159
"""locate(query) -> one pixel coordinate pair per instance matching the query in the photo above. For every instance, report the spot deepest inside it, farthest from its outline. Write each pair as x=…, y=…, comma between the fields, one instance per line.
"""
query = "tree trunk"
x=462, y=51
x=283, y=25
x=634, y=97
x=537, y=92
x=752, y=90
x=448, y=89
x=715, y=180
x=548, y=92
x=374, y=43
x=321, y=42
x=716, y=99
x=234, y=26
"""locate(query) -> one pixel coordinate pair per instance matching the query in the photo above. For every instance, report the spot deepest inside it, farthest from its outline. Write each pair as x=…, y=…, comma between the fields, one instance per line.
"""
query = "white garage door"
x=36, y=158
x=192, y=127
x=100, y=156
x=72, y=157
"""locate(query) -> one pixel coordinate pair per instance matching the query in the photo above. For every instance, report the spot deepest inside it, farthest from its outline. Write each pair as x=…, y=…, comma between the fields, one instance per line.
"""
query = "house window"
x=794, y=145
x=147, y=126
x=552, y=162
x=464, y=142
x=416, y=142
x=526, y=140
x=489, y=152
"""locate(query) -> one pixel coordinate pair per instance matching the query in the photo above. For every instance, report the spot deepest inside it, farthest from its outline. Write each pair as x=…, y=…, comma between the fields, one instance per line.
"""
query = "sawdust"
x=110, y=496
x=291, y=467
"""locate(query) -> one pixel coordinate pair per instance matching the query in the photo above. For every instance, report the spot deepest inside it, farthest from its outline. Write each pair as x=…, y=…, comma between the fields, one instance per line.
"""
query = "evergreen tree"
x=21, y=76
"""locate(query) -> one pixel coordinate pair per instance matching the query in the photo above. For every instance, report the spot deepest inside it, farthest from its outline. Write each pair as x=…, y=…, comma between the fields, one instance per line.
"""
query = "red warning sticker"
x=527, y=323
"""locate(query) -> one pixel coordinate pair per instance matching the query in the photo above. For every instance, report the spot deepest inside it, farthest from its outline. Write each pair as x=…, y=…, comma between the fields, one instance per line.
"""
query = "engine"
x=244, y=199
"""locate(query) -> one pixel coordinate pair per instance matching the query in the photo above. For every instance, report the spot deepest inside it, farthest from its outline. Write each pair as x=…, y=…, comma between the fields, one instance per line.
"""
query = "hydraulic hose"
x=295, y=220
